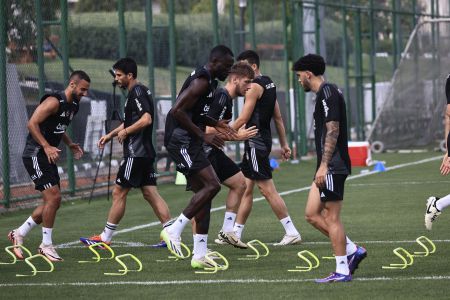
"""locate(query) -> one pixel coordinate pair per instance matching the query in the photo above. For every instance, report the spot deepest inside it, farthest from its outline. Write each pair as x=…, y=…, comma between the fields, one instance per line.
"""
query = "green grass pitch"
x=381, y=212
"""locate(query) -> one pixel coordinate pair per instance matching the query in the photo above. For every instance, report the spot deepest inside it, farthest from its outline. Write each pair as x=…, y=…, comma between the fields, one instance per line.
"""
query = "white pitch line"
x=218, y=281
x=122, y=244
x=262, y=198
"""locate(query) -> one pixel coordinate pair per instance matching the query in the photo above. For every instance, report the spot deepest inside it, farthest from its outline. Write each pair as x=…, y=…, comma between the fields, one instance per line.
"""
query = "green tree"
x=21, y=21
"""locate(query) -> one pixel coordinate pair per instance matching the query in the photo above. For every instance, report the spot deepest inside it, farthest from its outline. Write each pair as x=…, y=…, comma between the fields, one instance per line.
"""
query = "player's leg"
x=205, y=184
x=434, y=207
x=245, y=208
x=314, y=210
x=157, y=203
x=268, y=190
x=150, y=192
x=236, y=185
x=52, y=202
x=129, y=175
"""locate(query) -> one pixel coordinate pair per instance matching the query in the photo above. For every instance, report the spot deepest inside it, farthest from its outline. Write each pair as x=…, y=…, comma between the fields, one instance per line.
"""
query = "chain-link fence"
x=362, y=42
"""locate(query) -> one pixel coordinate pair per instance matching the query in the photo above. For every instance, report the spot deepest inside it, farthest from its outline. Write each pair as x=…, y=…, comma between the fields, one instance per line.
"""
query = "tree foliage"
x=21, y=20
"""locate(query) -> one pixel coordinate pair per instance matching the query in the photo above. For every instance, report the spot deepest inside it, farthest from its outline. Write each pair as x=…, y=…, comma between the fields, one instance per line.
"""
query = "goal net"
x=412, y=115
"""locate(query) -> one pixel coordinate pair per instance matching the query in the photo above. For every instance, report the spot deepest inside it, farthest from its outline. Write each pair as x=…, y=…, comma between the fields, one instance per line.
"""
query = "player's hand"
x=76, y=150
x=213, y=139
x=246, y=133
x=103, y=140
x=225, y=129
x=122, y=135
x=320, y=176
x=52, y=153
x=285, y=152
x=445, y=165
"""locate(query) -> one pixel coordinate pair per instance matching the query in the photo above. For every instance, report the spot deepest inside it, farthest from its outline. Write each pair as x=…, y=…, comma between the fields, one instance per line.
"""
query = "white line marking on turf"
x=122, y=244
x=281, y=194
x=219, y=281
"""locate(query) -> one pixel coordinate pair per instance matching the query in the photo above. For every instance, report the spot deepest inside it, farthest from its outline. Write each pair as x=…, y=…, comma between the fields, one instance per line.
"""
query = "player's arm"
x=44, y=110
x=107, y=137
x=251, y=96
x=186, y=101
x=332, y=117
x=331, y=137
x=242, y=134
x=279, y=124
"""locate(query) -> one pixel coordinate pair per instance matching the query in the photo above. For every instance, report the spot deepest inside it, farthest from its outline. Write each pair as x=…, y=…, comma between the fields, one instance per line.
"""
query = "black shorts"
x=334, y=190
x=223, y=165
x=136, y=172
x=188, y=158
x=44, y=174
x=256, y=164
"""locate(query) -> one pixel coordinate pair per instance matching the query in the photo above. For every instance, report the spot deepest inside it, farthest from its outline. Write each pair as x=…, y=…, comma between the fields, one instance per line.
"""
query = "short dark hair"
x=242, y=69
x=220, y=51
x=251, y=56
x=126, y=65
x=80, y=75
x=310, y=62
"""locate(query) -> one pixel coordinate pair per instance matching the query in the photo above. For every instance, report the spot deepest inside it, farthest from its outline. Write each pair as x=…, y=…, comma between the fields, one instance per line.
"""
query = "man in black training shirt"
x=184, y=138
x=238, y=82
x=435, y=204
x=47, y=127
x=137, y=167
x=260, y=107
x=333, y=166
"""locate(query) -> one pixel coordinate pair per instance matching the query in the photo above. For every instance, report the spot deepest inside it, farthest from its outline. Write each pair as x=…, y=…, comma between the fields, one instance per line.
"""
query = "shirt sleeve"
x=143, y=102
x=218, y=106
x=331, y=104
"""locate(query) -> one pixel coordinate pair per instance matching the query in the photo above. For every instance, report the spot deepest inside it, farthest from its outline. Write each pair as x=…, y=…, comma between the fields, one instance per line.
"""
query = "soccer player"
x=333, y=166
x=137, y=167
x=435, y=205
x=229, y=174
x=184, y=138
x=47, y=127
x=260, y=107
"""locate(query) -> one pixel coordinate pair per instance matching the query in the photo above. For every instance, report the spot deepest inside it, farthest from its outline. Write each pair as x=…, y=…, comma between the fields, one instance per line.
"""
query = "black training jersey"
x=330, y=106
x=198, y=111
x=447, y=89
x=221, y=108
x=54, y=126
x=139, y=144
x=262, y=115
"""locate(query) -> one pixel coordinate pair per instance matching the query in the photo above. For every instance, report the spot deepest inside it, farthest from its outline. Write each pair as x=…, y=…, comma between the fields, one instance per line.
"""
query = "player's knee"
x=266, y=192
x=213, y=188
x=311, y=218
x=54, y=201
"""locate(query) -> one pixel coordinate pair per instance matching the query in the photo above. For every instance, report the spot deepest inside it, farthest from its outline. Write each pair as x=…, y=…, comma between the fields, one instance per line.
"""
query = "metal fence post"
x=4, y=109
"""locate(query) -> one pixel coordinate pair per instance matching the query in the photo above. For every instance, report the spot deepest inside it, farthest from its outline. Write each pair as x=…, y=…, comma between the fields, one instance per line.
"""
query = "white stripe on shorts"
x=254, y=161
x=330, y=185
x=36, y=166
x=128, y=168
x=186, y=156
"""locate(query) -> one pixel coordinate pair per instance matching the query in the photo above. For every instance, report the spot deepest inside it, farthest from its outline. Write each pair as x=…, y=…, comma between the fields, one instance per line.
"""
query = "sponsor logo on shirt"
x=325, y=107
x=138, y=104
x=60, y=128
x=270, y=85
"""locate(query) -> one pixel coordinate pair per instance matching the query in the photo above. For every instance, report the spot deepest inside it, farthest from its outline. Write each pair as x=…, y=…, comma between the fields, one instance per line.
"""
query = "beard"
x=75, y=97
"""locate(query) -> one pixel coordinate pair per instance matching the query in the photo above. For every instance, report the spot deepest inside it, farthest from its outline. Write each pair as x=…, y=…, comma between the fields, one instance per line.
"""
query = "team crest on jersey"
x=206, y=108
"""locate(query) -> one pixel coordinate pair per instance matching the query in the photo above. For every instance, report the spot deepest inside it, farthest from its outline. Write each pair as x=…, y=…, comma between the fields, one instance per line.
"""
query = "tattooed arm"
x=331, y=138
